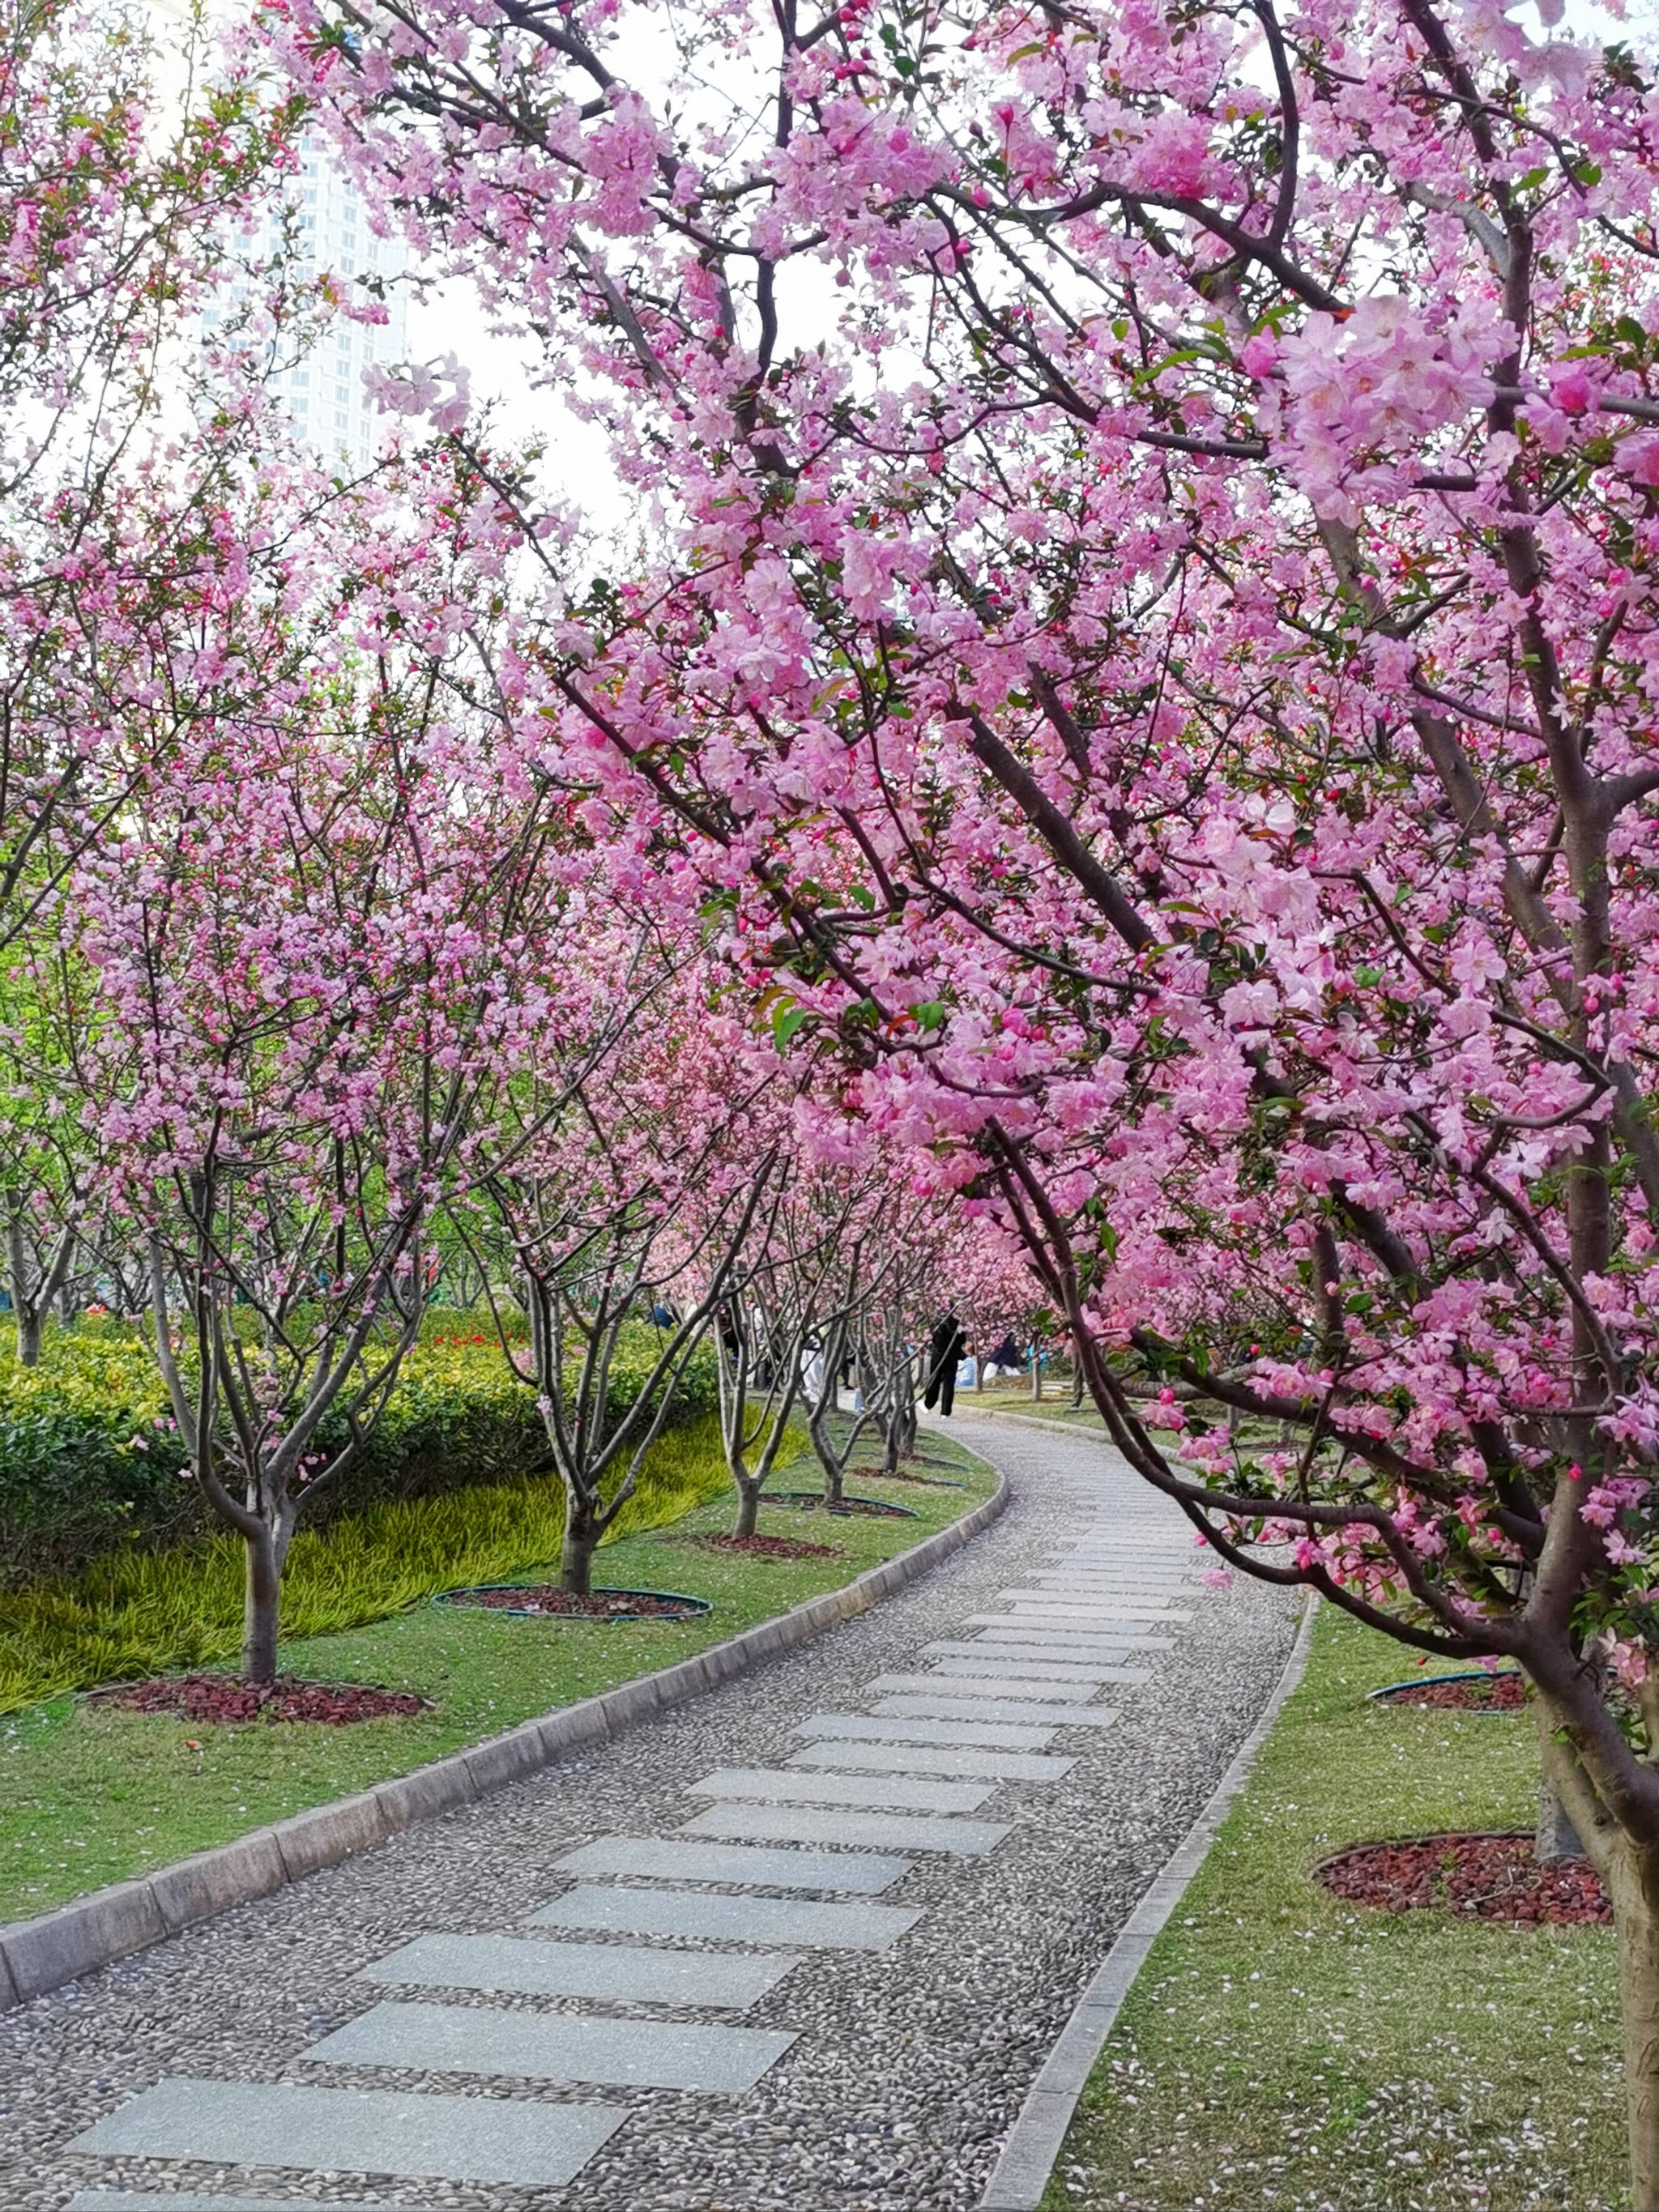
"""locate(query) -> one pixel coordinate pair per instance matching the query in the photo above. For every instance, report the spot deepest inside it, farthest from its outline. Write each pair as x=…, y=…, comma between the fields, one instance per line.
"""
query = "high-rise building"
x=323, y=390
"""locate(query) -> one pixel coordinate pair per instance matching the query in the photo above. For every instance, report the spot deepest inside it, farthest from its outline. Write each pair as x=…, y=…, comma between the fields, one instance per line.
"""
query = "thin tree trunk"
x=25, y=1312
x=576, y=1556
x=1036, y=1373
x=261, y=1590
x=1557, y=1838
x=749, y=1498
x=1635, y=1890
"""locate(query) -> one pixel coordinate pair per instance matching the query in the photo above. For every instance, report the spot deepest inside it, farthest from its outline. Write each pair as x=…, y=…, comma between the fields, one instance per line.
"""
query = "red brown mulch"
x=765, y=1547
x=1477, y=1877
x=548, y=1599
x=222, y=1698
x=1484, y=1694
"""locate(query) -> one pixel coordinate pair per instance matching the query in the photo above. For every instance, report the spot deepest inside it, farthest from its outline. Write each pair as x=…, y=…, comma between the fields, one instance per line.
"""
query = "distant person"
x=1006, y=1359
x=944, y=1349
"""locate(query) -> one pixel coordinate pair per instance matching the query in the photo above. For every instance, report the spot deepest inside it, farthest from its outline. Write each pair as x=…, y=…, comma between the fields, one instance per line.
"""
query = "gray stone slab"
x=356, y=2131
x=1148, y=1575
x=622, y=1973
x=982, y=1664
x=142, y=2200
x=623, y=2054
x=811, y=1823
x=772, y=1784
x=977, y=1685
x=671, y=1858
x=929, y=1758
x=732, y=1919
x=1045, y=1653
x=1137, y=1591
x=1035, y=1605
x=997, y=1633
x=866, y=1728
x=1003, y=1655
x=943, y=1707
x=1005, y=1628
x=1139, y=1558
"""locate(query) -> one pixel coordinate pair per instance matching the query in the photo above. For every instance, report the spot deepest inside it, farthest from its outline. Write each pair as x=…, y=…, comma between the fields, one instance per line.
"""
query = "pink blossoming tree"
x=1169, y=672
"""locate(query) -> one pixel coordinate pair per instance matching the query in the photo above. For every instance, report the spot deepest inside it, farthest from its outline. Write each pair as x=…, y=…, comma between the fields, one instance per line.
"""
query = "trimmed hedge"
x=90, y=1461
x=137, y=1612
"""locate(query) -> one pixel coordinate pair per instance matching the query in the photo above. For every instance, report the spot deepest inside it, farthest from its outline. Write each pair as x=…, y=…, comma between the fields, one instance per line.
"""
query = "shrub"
x=90, y=1461
x=137, y=1612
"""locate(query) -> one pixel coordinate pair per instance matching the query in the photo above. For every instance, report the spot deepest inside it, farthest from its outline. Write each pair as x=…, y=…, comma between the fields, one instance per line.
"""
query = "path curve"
x=861, y=1891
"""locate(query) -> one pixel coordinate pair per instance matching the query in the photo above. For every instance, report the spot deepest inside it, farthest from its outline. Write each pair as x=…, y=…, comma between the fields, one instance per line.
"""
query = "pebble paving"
x=898, y=1854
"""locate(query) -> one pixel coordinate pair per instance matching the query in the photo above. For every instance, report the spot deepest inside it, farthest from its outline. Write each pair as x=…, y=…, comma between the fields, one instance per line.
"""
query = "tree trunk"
x=576, y=1557
x=29, y=1333
x=1556, y=1838
x=262, y=1591
x=1036, y=1375
x=748, y=1497
x=1634, y=1886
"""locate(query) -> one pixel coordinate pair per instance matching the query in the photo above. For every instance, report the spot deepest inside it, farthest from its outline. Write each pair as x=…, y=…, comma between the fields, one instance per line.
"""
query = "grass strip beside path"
x=1284, y=2051
x=90, y=1796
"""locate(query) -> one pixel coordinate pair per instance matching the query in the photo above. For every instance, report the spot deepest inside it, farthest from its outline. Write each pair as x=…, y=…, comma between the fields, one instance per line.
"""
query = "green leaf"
x=787, y=1019
x=930, y=1015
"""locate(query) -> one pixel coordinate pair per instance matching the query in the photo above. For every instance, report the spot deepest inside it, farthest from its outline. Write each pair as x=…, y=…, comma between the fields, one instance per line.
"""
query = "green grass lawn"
x=1055, y=1406
x=89, y=1796
x=1282, y=2050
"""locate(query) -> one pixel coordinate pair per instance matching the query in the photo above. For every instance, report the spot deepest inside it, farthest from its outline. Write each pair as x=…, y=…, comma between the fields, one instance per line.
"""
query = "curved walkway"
x=797, y=1947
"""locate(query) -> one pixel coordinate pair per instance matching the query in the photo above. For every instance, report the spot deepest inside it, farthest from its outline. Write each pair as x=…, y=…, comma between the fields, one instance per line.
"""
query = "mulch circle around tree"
x=806, y=1499
x=1478, y=1692
x=764, y=1547
x=1479, y=1877
x=222, y=1698
x=547, y=1602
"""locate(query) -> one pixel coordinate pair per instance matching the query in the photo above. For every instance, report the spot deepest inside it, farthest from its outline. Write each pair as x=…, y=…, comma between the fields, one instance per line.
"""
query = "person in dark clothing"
x=1006, y=1357
x=944, y=1349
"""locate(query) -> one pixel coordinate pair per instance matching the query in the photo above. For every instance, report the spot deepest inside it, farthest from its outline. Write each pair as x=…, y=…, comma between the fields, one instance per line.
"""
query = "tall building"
x=323, y=391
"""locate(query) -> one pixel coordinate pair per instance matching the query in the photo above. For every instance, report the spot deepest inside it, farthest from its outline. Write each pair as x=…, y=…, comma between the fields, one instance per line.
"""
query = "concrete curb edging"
x=40, y=1956
x=1031, y=2150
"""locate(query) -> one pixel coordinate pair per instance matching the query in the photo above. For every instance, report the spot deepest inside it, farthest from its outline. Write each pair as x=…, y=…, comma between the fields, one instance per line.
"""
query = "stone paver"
x=869, y=1728
x=922, y=1707
x=617, y=1973
x=1082, y=1678
x=826, y=1991
x=137, y=2200
x=643, y=2054
x=1000, y=1653
x=671, y=1858
x=731, y=1919
x=989, y=1686
x=930, y=1759
x=808, y=1824
x=842, y=1790
x=1010, y=1628
x=365, y=2130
